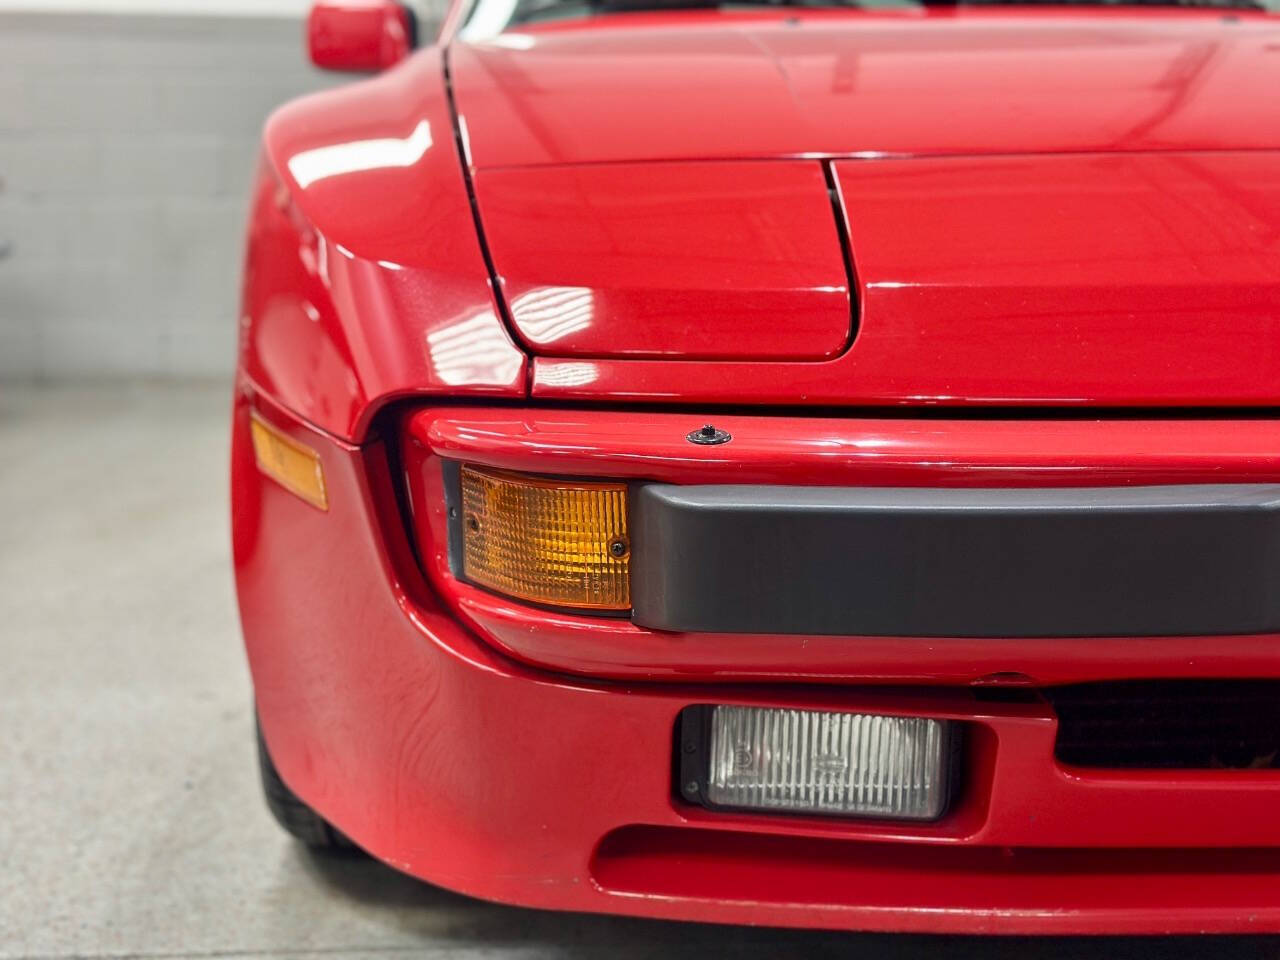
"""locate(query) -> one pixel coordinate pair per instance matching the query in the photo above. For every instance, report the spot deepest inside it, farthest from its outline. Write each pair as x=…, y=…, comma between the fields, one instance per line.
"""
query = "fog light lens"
x=557, y=542
x=818, y=762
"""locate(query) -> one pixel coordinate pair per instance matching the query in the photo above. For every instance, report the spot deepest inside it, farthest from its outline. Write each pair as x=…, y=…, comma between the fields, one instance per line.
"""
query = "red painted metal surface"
x=857, y=451
x=1001, y=889
x=834, y=452
x=1045, y=207
x=688, y=260
x=1107, y=280
x=982, y=280
x=468, y=770
x=364, y=279
x=792, y=82
x=360, y=35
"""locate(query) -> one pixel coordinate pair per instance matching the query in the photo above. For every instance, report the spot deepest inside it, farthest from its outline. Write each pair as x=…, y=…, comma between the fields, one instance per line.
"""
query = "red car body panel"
x=1044, y=280
x=365, y=280
x=693, y=260
x=1037, y=209
x=805, y=83
x=454, y=763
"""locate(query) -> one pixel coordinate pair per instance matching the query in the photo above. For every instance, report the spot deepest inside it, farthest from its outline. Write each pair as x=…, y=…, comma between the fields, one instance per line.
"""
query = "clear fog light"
x=809, y=761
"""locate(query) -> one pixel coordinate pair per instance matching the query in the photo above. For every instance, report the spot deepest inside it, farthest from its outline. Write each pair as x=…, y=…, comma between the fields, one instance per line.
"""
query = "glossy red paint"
x=1154, y=259
x=464, y=768
x=845, y=451
x=1073, y=207
x=693, y=260
x=364, y=279
x=360, y=35
x=830, y=452
x=790, y=82
x=1106, y=280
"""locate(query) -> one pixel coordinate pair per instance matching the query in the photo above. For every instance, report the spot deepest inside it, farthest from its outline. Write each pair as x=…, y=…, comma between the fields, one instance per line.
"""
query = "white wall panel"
x=126, y=148
x=249, y=8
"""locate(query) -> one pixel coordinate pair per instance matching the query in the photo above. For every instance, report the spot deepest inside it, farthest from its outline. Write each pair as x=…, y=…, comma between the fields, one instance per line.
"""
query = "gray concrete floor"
x=130, y=819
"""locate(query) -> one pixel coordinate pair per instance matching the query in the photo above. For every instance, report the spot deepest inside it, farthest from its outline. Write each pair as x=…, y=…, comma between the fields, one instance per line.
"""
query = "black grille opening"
x=1169, y=724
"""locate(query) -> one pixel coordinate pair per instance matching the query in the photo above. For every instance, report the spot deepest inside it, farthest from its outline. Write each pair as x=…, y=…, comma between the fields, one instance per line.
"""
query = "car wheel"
x=291, y=812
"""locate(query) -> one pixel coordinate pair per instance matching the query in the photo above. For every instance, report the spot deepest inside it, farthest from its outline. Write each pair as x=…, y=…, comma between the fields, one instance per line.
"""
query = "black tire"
x=298, y=819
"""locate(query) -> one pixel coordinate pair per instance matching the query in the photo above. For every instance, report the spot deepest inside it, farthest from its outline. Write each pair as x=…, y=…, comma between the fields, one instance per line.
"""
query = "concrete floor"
x=130, y=819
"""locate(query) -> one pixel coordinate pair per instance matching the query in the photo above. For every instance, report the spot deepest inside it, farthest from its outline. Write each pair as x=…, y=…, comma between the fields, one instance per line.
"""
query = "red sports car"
x=813, y=464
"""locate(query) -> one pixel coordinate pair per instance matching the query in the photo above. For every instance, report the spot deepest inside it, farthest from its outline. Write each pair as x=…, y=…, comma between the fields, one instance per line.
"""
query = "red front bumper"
x=462, y=765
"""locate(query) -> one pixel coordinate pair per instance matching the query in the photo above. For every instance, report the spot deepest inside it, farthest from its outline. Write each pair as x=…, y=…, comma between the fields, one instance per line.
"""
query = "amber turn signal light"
x=293, y=465
x=558, y=542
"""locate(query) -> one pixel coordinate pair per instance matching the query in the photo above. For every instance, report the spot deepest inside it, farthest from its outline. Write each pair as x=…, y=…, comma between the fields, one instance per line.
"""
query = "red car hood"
x=991, y=207
x=703, y=86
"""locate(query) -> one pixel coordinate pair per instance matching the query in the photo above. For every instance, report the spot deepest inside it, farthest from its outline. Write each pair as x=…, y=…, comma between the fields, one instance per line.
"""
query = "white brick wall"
x=126, y=148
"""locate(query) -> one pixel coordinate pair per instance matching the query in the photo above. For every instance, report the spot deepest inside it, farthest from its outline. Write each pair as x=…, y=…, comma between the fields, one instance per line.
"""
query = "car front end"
x=813, y=523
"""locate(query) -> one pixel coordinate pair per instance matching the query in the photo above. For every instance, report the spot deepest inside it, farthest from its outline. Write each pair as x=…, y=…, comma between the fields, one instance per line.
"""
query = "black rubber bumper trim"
x=864, y=561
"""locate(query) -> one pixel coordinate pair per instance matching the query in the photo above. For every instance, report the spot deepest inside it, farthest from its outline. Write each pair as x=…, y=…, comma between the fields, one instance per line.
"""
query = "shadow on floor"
x=463, y=921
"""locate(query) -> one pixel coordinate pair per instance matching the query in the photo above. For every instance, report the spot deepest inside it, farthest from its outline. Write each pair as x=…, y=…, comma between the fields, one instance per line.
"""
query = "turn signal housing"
x=562, y=543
